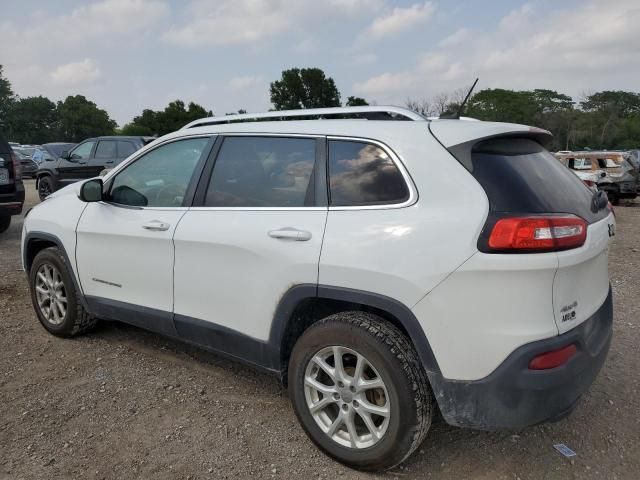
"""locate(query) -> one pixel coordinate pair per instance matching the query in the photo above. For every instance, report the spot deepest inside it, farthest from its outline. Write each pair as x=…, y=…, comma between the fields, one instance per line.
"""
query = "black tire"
x=395, y=360
x=5, y=221
x=77, y=320
x=45, y=187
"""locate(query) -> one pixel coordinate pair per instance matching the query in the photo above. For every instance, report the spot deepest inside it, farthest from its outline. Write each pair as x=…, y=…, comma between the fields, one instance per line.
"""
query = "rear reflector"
x=542, y=233
x=552, y=359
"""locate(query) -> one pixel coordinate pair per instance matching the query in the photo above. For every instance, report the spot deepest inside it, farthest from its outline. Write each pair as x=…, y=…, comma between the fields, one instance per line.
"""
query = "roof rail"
x=363, y=113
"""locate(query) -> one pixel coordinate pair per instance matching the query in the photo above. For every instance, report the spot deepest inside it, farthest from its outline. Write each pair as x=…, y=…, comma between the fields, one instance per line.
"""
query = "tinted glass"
x=125, y=149
x=520, y=176
x=159, y=178
x=83, y=150
x=262, y=172
x=363, y=174
x=106, y=149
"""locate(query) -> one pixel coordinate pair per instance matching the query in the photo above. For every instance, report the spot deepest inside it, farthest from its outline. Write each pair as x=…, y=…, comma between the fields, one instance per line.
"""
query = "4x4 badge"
x=612, y=229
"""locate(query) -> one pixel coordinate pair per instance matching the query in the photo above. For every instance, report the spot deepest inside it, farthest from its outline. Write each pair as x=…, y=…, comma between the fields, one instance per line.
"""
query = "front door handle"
x=289, y=233
x=156, y=225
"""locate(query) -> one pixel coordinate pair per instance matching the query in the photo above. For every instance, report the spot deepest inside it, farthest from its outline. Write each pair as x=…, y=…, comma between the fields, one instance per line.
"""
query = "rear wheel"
x=54, y=296
x=359, y=390
x=45, y=187
x=5, y=221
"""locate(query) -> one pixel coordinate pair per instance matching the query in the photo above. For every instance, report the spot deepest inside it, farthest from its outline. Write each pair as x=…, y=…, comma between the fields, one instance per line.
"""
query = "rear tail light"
x=17, y=166
x=589, y=183
x=538, y=234
x=552, y=359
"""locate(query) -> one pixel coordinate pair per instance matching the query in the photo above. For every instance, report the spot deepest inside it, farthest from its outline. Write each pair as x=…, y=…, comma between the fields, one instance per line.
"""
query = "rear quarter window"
x=362, y=174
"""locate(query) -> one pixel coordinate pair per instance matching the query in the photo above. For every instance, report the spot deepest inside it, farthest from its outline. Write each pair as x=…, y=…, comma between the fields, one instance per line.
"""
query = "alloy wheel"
x=347, y=397
x=51, y=294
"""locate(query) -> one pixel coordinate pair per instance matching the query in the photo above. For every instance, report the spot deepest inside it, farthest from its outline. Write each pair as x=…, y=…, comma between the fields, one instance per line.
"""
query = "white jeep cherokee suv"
x=382, y=264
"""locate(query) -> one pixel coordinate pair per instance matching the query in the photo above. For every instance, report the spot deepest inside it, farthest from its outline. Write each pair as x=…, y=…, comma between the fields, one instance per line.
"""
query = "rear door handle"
x=289, y=233
x=156, y=225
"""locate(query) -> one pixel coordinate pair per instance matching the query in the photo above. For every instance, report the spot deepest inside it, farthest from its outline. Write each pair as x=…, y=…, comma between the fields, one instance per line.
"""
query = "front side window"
x=363, y=174
x=83, y=150
x=106, y=149
x=263, y=172
x=159, y=178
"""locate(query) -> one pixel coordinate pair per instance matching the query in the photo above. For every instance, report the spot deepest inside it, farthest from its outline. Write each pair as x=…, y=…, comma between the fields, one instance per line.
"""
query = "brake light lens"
x=538, y=234
x=17, y=166
x=552, y=359
x=589, y=183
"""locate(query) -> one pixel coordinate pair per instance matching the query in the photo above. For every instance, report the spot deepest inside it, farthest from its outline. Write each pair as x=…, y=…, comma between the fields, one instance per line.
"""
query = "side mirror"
x=65, y=155
x=91, y=190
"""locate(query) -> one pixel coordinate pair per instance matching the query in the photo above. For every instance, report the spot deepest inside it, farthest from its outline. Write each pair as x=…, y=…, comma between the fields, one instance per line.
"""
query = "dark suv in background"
x=85, y=160
x=11, y=188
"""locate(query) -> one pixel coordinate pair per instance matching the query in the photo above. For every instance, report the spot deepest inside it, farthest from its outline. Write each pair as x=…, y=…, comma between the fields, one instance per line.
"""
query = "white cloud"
x=459, y=36
x=75, y=73
x=242, y=83
x=229, y=22
x=590, y=47
x=387, y=83
x=365, y=59
x=401, y=19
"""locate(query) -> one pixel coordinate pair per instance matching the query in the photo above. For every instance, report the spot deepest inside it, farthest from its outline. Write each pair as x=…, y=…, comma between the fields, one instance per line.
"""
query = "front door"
x=124, y=245
x=76, y=166
x=255, y=231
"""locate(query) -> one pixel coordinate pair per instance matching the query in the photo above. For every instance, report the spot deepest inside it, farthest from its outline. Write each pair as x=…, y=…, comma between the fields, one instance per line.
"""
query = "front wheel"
x=45, y=187
x=54, y=296
x=360, y=391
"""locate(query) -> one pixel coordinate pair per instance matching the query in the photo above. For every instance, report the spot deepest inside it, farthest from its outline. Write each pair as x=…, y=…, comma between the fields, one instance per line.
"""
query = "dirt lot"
x=124, y=403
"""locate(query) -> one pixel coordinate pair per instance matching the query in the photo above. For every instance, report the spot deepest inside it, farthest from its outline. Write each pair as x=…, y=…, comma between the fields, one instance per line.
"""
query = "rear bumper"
x=11, y=203
x=515, y=397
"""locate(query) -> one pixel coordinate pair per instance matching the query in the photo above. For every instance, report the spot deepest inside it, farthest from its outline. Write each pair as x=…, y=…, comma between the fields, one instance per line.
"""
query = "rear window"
x=520, y=176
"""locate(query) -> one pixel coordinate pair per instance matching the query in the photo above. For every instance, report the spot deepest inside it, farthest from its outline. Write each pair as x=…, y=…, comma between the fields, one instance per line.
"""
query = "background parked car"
x=51, y=151
x=29, y=167
x=615, y=172
x=85, y=160
x=11, y=188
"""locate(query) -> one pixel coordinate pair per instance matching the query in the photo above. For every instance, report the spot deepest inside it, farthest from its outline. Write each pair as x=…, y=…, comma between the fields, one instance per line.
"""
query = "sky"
x=127, y=55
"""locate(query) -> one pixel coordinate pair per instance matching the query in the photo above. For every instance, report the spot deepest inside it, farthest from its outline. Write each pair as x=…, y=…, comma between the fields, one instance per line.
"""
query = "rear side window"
x=263, y=172
x=362, y=173
x=106, y=149
x=125, y=149
x=520, y=176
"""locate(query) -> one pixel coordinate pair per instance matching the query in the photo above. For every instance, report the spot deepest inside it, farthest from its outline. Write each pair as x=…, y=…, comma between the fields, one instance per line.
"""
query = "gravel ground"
x=124, y=403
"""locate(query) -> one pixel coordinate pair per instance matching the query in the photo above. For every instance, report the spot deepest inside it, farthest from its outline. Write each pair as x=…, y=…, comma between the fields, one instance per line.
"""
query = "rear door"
x=105, y=156
x=255, y=231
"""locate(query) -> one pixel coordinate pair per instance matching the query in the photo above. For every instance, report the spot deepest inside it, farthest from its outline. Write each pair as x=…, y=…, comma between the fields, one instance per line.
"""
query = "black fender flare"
x=26, y=261
x=298, y=293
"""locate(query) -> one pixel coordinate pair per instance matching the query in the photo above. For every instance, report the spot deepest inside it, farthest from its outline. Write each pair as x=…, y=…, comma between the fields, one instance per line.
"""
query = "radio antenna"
x=458, y=114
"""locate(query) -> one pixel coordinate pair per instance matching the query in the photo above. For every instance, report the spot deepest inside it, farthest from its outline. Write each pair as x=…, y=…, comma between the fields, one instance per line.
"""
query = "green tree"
x=7, y=98
x=304, y=88
x=356, y=102
x=81, y=118
x=33, y=120
x=135, y=130
x=172, y=118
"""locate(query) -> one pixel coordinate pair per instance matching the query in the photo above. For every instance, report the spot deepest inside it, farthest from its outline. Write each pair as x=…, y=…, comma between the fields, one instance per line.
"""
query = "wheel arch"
x=303, y=305
x=35, y=242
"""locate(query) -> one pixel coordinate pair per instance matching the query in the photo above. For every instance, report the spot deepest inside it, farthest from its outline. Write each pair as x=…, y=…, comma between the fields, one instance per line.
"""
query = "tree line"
x=607, y=119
